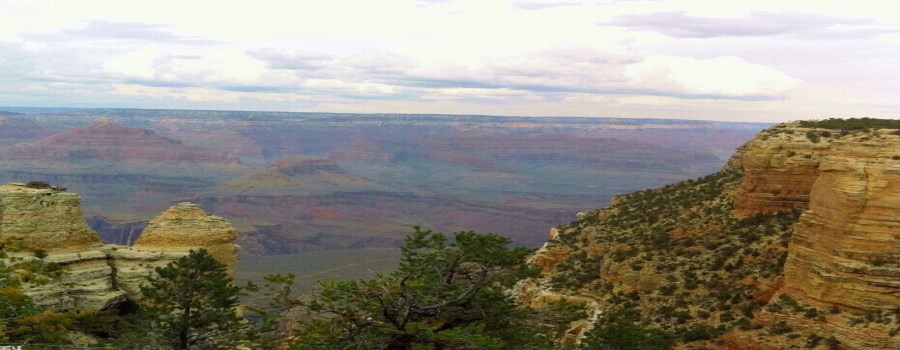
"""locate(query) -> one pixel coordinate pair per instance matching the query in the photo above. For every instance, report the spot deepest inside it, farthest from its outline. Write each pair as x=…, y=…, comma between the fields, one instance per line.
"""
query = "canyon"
x=295, y=182
x=792, y=243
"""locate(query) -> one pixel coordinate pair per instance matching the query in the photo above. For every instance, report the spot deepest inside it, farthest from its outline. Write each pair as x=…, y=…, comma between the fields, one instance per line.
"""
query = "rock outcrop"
x=43, y=219
x=186, y=226
x=798, y=233
x=45, y=225
x=846, y=248
x=779, y=172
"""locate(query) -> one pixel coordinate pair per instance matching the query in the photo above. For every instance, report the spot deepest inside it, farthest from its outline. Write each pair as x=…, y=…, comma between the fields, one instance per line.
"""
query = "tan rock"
x=44, y=219
x=778, y=172
x=186, y=226
x=846, y=247
x=96, y=276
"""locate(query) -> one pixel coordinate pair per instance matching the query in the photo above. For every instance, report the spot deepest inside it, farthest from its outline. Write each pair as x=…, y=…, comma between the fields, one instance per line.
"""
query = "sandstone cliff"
x=45, y=219
x=730, y=257
x=46, y=226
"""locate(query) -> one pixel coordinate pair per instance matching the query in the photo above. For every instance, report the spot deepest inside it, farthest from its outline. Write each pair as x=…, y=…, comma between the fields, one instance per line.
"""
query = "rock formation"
x=44, y=219
x=845, y=250
x=846, y=247
x=779, y=172
x=95, y=275
x=186, y=226
x=691, y=258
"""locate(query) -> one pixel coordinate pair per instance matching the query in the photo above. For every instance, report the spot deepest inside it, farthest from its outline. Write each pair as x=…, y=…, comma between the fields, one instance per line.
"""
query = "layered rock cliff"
x=45, y=226
x=793, y=244
x=45, y=219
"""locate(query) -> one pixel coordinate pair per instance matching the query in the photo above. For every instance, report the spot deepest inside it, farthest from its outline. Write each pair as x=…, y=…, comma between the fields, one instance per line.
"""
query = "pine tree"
x=445, y=295
x=191, y=304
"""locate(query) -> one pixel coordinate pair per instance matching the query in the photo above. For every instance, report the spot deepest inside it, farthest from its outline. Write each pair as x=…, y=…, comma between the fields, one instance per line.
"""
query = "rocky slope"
x=793, y=244
x=45, y=227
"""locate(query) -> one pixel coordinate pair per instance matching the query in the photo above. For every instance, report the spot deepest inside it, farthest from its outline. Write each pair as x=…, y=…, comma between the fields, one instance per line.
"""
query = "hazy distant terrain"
x=296, y=182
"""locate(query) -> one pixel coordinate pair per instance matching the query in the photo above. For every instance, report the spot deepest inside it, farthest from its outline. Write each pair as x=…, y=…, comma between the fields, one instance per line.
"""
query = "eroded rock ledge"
x=96, y=275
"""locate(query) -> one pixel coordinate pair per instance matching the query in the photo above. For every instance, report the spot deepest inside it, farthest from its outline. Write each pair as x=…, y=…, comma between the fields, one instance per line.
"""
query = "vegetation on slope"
x=675, y=257
x=852, y=124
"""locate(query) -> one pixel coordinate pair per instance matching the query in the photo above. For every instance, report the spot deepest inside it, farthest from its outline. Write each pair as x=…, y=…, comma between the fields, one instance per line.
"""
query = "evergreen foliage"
x=852, y=124
x=444, y=295
x=619, y=330
x=190, y=304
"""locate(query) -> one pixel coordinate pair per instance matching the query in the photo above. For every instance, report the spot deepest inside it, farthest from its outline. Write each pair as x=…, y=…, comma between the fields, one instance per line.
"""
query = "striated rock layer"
x=779, y=172
x=43, y=219
x=846, y=247
x=95, y=275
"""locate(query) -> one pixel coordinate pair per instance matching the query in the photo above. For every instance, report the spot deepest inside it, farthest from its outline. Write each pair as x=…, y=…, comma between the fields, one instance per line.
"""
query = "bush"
x=812, y=136
x=852, y=124
x=832, y=343
x=624, y=334
x=40, y=253
x=811, y=313
x=781, y=327
x=37, y=184
x=43, y=185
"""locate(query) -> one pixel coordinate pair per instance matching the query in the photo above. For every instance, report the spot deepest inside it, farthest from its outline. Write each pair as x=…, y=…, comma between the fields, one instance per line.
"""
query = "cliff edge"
x=793, y=244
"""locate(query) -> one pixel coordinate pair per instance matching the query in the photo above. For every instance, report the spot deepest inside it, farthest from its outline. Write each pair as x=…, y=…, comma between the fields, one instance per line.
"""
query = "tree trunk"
x=183, y=333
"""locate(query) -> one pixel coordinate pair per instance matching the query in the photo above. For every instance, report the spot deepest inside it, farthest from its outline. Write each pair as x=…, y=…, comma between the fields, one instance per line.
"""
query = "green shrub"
x=780, y=327
x=812, y=136
x=37, y=184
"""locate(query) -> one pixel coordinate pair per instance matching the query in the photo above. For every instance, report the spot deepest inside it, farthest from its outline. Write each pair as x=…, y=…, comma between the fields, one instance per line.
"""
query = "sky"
x=726, y=60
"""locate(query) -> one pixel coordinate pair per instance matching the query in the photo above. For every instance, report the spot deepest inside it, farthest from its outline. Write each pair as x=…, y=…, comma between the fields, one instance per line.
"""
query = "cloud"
x=757, y=23
x=510, y=57
x=134, y=31
x=543, y=4
x=542, y=74
x=206, y=67
x=533, y=5
x=302, y=61
x=723, y=77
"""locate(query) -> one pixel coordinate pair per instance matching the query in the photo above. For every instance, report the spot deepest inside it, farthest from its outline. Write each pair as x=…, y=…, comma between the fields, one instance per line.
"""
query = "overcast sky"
x=725, y=60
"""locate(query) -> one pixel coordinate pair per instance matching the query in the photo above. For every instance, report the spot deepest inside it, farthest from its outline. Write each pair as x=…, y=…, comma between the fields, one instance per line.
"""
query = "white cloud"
x=522, y=57
x=723, y=76
x=213, y=66
x=136, y=64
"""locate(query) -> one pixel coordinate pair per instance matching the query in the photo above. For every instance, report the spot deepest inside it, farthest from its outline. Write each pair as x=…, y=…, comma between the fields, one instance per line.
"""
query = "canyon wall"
x=846, y=246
